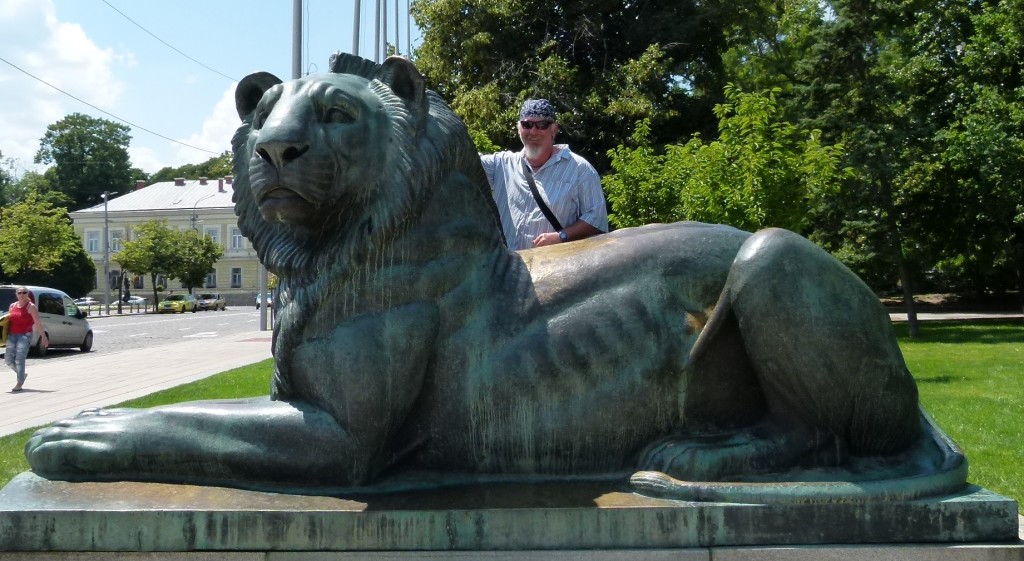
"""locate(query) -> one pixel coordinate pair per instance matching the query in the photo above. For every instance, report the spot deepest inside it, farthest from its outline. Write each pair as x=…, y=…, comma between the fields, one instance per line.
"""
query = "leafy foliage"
x=157, y=250
x=75, y=274
x=153, y=250
x=606, y=64
x=35, y=236
x=90, y=156
x=217, y=166
x=760, y=172
x=196, y=257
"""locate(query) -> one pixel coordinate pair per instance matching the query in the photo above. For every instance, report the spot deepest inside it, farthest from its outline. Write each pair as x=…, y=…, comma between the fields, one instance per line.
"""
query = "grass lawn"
x=971, y=380
x=970, y=375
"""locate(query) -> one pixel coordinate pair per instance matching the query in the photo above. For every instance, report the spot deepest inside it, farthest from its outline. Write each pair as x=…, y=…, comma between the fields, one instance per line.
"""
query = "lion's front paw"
x=87, y=443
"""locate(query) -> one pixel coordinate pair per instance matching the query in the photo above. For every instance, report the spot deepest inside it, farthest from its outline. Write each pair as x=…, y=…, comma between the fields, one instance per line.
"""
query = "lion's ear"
x=406, y=81
x=251, y=89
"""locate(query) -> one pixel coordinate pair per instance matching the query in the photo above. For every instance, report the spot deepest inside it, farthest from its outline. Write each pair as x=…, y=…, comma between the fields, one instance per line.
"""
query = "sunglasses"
x=22, y=292
x=541, y=125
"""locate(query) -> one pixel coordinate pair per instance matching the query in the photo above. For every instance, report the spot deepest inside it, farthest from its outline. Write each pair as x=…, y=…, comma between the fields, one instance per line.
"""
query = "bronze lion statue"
x=413, y=349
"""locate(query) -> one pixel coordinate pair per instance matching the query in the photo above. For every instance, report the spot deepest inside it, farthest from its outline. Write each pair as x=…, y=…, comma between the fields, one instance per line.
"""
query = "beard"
x=534, y=152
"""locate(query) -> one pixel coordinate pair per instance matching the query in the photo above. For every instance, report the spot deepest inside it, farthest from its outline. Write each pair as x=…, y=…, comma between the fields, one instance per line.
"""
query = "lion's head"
x=332, y=165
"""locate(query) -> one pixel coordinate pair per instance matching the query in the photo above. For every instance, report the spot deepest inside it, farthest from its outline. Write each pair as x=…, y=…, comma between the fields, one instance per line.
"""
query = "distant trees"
x=926, y=100
x=217, y=166
x=606, y=64
x=38, y=245
x=196, y=258
x=158, y=250
x=760, y=172
x=89, y=156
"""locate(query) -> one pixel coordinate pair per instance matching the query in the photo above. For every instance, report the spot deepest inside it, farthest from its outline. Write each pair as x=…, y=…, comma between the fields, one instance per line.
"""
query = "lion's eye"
x=339, y=115
x=260, y=118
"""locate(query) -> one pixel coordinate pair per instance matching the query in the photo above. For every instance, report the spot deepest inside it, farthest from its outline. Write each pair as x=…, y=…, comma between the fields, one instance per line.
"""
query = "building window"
x=139, y=282
x=214, y=234
x=161, y=281
x=237, y=241
x=115, y=240
x=114, y=278
x=211, y=280
x=92, y=242
x=236, y=277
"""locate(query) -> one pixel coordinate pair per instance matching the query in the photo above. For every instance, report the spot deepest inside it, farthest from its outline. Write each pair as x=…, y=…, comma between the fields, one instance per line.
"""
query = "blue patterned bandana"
x=538, y=108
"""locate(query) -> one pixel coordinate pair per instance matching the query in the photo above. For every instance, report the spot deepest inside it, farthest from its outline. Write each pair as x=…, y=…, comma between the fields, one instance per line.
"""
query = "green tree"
x=606, y=64
x=760, y=172
x=7, y=179
x=981, y=149
x=89, y=156
x=35, y=236
x=75, y=274
x=197, y=255
x=152, y=250
x=217, y=166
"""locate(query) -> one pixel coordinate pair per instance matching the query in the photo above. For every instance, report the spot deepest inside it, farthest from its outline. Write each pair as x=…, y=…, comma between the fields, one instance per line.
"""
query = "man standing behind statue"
x=564, y=202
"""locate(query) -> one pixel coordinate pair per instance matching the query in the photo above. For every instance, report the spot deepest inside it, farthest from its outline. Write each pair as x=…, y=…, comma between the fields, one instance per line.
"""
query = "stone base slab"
x=511, y=522
x=990, y=552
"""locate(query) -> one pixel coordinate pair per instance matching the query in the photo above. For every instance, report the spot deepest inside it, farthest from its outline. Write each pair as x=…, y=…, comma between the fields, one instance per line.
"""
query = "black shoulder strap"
x=540, y=202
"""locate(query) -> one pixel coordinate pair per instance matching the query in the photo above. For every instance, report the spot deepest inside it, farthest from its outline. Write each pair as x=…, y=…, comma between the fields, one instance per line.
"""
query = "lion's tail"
x=941, y=469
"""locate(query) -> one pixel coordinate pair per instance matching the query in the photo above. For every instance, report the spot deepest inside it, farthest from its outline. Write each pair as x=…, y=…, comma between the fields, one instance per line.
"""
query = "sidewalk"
x=897, y=317
x=57, y=389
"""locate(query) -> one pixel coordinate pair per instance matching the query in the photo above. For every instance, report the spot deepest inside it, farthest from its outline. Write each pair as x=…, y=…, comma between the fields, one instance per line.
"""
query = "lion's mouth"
x=285, y=206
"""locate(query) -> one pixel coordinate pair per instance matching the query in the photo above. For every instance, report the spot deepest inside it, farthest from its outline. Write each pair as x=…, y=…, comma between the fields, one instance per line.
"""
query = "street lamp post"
x=106, y=252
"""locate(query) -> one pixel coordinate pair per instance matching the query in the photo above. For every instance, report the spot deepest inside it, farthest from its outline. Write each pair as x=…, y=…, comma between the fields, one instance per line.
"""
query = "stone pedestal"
x=511, y=522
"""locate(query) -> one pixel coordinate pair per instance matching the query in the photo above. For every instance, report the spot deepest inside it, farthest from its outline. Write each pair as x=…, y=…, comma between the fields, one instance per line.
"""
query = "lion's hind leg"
x=822, y=344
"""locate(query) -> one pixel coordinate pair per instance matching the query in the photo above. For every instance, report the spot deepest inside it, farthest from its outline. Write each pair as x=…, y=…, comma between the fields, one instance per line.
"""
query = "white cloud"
x=216, y=131
x=59, y=53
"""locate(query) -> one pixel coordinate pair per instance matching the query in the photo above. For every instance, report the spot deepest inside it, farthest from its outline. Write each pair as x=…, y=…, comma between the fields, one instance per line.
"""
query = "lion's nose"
x=278, y=154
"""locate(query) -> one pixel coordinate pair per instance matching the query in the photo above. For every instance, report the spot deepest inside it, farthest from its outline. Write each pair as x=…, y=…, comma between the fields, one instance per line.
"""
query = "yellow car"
x=179, y=303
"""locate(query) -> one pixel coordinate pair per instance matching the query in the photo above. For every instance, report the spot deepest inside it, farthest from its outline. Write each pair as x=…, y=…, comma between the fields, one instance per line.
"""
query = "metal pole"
x=408, y=29
x=355, y=29
x=398, y=35
x=106, y=254
x=384, y=26
x=376, y=34
x=296, y=38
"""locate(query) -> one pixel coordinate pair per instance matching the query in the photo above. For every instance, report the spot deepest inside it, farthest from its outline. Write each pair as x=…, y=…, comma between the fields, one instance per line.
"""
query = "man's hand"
x=547, y=238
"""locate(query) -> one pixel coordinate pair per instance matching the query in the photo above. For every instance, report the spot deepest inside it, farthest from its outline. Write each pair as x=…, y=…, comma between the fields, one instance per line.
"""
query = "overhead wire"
x=175, y=49
x=80, y=100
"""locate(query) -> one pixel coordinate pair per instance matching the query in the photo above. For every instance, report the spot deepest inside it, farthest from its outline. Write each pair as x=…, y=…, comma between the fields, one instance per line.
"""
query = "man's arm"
x=576, y=231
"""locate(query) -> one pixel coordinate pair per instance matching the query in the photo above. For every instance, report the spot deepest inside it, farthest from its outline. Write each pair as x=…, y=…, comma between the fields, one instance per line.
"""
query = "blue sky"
x=89, y=50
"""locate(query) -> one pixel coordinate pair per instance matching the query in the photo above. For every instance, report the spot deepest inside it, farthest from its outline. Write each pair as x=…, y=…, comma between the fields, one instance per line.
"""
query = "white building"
x=203, y=205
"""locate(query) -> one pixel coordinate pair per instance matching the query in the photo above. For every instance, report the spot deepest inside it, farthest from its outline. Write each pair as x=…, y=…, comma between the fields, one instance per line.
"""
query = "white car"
x=266, y=300
x=64, y=322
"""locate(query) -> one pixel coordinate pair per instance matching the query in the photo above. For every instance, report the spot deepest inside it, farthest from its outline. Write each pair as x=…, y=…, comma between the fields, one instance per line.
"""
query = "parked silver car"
x=64, y=322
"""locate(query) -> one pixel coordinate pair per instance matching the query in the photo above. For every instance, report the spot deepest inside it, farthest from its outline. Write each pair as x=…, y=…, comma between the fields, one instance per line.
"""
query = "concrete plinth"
x=579, y=521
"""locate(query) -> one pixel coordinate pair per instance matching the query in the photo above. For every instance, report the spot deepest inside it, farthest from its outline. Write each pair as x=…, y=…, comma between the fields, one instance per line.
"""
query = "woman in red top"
x=22, y=317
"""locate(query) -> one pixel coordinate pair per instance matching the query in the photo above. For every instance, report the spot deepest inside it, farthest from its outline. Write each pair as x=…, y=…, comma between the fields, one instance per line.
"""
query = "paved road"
x=65, y=382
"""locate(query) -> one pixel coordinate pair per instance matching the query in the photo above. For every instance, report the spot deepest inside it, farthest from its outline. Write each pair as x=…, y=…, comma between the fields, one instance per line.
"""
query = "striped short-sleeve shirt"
x=566, y=182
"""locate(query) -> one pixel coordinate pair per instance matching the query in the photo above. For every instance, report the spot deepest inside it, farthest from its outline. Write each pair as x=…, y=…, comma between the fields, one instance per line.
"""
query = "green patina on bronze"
x=412, y=349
